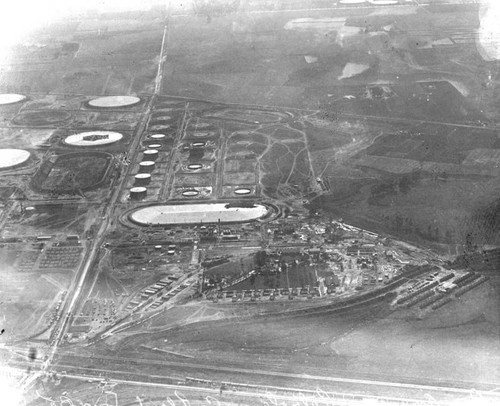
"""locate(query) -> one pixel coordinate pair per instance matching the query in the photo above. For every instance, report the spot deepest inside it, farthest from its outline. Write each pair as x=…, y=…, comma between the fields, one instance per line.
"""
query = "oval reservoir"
x=114, y=101
x=196, y=213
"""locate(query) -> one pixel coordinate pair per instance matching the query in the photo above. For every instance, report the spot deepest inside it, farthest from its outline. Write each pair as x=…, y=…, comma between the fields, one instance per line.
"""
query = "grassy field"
x=434, y=143
x=42, y=118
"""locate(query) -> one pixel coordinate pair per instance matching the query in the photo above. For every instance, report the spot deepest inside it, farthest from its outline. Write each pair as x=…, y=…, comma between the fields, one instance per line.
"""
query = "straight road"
x=74, y=297
x=337, y=6
x=140, y=370
x=256, y=394
x=166, y=188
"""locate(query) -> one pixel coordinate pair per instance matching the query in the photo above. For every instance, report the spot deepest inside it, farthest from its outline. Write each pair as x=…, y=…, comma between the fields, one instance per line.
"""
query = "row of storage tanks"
x=146, y=167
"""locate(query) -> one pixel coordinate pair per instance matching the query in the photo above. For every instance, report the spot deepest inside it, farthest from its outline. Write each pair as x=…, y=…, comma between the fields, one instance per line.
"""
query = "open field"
x=34, y=278
x=434, y=143
x=424, y=100
x=90, y=70
x=51, y=218
x=352, y=344
x=408, y=181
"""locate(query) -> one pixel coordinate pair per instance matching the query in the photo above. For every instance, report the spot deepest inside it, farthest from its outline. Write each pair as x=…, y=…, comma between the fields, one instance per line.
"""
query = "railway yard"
x=271, y=218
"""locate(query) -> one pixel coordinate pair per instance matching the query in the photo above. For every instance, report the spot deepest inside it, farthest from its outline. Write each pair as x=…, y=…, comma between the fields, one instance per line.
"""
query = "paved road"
x=337, y=6
x=74, y=297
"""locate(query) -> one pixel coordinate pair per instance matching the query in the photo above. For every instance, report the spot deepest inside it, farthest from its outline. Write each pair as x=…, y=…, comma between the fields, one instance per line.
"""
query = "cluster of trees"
x=397, y=184
x=404, y=183
x=486, y=222
x=406, y=225
x=328, y=115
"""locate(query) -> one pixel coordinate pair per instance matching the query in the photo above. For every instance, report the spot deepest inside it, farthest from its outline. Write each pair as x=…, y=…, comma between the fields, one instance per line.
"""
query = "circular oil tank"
x=10, y=157
x=157, y=247
x=157, y=137
x=151, y=154
x=28, y=211
x=242, y=191
x=93, y=138
x=114, y=101
x=138, y=193
x=195, y=166
x=190, y=193
x=199, y=144
x=142, y=179
x=11, y=98
x=146, y=166
x=154, y=146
